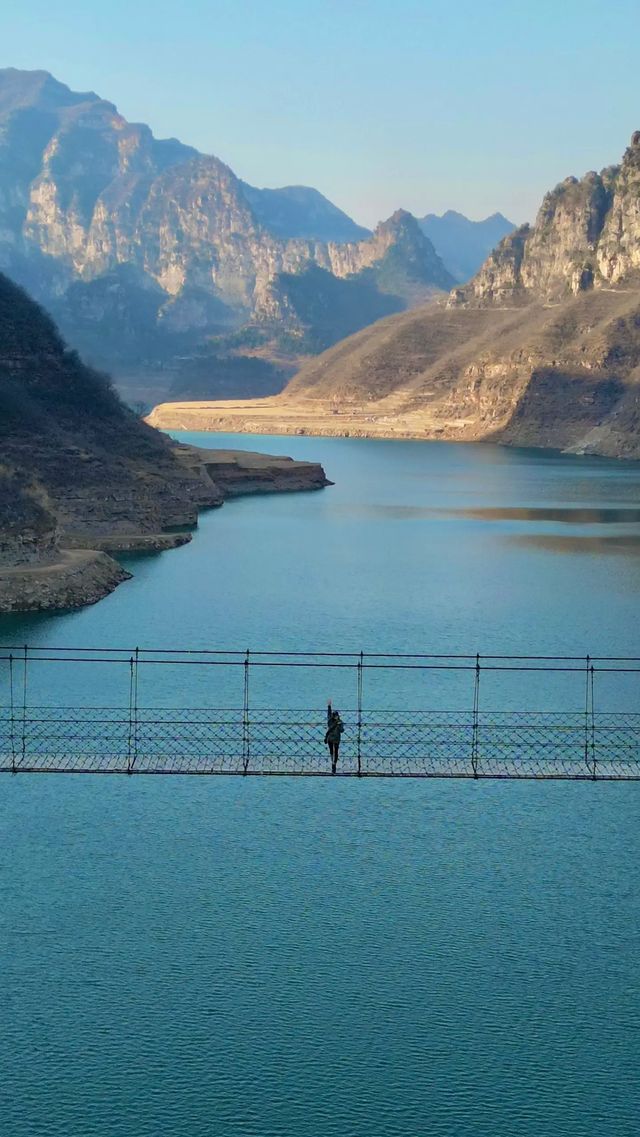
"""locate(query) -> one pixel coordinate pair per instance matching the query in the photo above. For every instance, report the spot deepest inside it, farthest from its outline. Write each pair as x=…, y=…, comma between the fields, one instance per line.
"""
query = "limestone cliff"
x=586, y=235
x=143, y=249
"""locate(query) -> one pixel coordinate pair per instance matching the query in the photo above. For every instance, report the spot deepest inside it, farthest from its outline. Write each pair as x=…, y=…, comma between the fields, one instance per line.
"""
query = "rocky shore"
x=238, y=473
x=47, y=564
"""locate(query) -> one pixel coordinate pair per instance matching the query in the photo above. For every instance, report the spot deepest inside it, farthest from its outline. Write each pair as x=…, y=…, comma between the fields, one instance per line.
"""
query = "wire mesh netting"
x=420, y=744
x=51, y=720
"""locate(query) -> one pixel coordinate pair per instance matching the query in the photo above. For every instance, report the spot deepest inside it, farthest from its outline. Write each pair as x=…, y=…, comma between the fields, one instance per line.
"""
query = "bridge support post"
x=12, y=724
x=24, y=705
x=590, y=721
x=476, y=713
x=132, y=744
x=246, y=746
x=359, y=739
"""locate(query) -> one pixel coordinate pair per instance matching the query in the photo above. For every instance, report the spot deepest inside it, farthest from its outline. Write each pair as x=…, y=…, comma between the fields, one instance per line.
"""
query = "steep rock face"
x=586, y=235
x=618, y=252
x=356, y=285
x=400, y=254
x=143, y=248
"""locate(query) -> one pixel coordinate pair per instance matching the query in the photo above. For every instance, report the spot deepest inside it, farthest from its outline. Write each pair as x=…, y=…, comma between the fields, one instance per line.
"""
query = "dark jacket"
x=335, y=727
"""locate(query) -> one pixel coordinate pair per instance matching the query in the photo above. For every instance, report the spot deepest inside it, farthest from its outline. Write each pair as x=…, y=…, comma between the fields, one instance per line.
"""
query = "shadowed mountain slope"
x=64, y=430
x=81, y=475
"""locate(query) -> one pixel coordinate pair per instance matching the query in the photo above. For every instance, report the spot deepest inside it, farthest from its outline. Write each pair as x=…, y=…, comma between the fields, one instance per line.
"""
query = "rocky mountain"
x=541, y=348
x=586, y=235
x=395, y=268
x=464, y=245
x=145, y=250
x=80, y=474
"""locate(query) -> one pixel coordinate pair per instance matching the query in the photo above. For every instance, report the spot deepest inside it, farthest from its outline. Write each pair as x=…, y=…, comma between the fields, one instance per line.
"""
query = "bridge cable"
x=593, y=727
x=589, y=719
x=135, y=706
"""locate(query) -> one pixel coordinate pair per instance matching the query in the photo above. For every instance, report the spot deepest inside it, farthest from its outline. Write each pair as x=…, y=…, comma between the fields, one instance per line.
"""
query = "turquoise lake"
x=189, y=957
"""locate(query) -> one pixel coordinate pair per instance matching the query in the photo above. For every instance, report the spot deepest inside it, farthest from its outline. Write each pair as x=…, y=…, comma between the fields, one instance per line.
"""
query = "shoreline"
x=273, y=417
x=84, y=568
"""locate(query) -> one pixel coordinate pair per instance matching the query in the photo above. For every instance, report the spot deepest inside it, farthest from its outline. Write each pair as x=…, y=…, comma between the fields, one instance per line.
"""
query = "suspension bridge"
x=113, y=711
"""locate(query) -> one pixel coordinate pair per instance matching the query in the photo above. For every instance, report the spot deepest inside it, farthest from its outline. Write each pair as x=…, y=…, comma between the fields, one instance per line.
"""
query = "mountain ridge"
x=84, y=192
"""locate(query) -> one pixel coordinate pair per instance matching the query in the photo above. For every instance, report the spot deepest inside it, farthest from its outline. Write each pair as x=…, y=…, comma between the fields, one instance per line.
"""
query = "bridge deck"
x=392, y=744
x=598, y=738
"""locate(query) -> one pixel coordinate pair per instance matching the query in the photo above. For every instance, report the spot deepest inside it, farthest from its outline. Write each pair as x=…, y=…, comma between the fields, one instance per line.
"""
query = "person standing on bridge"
x=335, y=730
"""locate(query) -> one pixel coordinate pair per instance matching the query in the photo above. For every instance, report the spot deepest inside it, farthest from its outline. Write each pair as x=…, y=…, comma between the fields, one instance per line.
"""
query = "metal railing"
x=251, y=738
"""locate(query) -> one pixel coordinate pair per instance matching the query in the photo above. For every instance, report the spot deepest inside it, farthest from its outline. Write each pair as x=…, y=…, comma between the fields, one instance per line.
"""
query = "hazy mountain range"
x=152, y=256
x=463, y=245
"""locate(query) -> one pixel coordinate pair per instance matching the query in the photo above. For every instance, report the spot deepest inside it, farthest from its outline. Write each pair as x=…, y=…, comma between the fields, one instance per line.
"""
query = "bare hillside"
x=562, y=376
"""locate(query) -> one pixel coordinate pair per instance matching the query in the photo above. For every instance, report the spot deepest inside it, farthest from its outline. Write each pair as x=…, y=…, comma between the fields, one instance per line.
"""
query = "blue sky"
x=467, y=105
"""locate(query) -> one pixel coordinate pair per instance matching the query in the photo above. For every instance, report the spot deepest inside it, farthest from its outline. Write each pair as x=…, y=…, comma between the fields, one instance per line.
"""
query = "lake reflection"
x=584, y=543
x=571, y=516
x=557, y=514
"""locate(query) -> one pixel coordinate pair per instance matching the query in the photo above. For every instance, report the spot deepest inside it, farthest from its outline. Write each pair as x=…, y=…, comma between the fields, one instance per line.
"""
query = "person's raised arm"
x=329, y=712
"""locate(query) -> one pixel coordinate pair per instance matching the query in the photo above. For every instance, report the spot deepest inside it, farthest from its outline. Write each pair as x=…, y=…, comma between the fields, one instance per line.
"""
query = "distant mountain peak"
x=40, y=90
x=400, y=217
x=401, y=225
x=406, y=257
x=463, y=244
x=304, y=212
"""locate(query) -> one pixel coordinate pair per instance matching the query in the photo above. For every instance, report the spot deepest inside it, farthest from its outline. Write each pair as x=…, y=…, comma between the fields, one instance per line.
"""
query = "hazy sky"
x=460, y=104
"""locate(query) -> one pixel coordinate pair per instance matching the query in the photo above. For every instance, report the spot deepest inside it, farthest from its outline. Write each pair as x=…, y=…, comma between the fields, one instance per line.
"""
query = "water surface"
x=316, y=959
